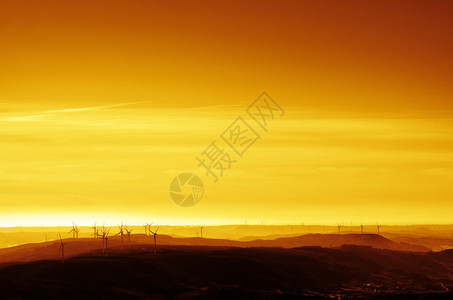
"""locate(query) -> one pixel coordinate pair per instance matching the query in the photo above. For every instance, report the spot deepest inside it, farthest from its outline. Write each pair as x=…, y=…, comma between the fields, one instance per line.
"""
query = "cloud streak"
x=50, y=113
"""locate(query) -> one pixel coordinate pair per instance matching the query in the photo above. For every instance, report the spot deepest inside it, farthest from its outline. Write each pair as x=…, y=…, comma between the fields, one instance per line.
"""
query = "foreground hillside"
x=194, y=272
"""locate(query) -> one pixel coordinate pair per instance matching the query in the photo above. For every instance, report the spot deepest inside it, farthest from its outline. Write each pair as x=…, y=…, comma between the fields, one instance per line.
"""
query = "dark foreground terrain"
x=194, y=272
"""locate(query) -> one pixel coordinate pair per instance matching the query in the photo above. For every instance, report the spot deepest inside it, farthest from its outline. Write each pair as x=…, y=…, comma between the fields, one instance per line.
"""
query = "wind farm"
x=313, y=242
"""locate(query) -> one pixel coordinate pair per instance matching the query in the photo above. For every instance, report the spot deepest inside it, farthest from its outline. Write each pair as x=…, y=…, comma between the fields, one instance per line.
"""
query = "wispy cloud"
x=96, y=107
x=49, y=113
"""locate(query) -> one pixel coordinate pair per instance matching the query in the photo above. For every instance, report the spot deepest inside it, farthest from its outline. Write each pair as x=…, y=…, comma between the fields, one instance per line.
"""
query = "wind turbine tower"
x=95, y=231
x=61, y=249
x=75, y=231
x=121, y=233
x=128, y=232
x=105, y=238
x=147, y=228
x=155, y=239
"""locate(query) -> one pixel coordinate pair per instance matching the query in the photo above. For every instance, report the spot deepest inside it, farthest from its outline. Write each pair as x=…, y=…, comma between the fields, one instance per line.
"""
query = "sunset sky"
x=103, y=103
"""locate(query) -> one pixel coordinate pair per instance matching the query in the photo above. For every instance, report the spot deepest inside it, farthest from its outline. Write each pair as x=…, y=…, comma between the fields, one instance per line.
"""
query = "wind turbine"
x=378, y=227
x=147, y=228
x=105, y=238
x=201, y=231
x=61, y=249
x=128, y=232
x=75, y=231
x=155, y=238
x=121, y=233
x=361, y=227
x=339, y=229
x=95, y=230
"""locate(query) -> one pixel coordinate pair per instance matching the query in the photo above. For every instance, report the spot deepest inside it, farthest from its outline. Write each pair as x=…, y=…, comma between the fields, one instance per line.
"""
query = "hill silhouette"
x=49, y=250
x=197, y=272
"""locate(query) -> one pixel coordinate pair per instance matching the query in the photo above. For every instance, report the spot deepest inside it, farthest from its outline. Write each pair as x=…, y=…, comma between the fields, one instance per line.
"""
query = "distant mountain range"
x=49, y=250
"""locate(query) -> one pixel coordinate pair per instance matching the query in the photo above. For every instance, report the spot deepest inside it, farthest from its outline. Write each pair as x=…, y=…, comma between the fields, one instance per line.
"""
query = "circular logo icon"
x=186, y=189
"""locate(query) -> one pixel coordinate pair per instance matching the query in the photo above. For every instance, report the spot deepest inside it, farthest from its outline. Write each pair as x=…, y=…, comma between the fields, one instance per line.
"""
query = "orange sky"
x=366, y=87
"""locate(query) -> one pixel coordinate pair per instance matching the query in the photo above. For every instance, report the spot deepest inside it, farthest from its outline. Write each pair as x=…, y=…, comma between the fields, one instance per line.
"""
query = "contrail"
x=95, y=107
x=59, y=111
